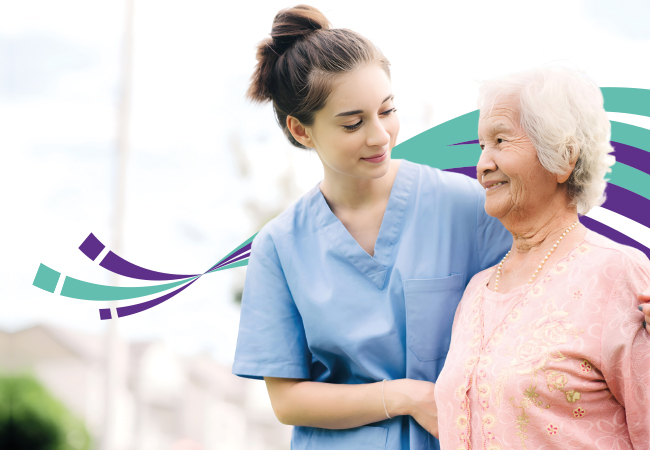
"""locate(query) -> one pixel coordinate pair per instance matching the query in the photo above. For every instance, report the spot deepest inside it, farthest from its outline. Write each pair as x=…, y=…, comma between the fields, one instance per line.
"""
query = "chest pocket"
x=361, y=438
x=430, y=308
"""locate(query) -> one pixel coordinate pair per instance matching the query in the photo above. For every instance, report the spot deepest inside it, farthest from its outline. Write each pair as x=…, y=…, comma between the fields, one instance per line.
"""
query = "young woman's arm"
x=340, y=406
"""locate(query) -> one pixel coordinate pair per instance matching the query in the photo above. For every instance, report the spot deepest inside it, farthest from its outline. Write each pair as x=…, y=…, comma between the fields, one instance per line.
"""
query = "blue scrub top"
x=317, y=306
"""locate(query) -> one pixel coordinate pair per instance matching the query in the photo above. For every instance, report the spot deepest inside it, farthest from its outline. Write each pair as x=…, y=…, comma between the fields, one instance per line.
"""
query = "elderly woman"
x=547, y=347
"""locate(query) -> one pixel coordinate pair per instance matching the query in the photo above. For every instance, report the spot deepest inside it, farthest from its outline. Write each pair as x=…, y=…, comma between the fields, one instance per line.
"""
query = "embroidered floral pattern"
x=578, y=412
x=489, y=420
x=577, y=295
x=559, y=268
x=552, y=429
x=530, y=357
x=522, y=426
x=555, y=380
x=572, y=396
x=531, y=397
x=585, y=366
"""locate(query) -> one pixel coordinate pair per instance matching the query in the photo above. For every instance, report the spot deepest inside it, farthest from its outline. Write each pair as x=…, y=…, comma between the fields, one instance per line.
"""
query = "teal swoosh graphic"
x=83, y=290
x=627, y=100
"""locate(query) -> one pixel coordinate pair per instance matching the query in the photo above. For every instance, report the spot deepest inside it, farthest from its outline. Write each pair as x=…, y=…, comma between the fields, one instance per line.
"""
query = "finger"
x=645, y=309
x=644, y=296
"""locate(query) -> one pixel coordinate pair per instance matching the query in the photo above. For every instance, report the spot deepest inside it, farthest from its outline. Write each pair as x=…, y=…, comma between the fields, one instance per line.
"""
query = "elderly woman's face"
x=516, y=185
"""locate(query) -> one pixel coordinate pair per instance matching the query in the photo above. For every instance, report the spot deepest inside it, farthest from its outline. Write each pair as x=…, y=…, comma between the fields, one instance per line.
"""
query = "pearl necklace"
x=496, y=283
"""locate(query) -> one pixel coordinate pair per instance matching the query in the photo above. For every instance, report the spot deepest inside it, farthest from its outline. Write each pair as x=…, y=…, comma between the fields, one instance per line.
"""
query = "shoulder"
x=278, y=233
x=453, y=183
x=618, y=273
x=447, y=192
x=627, y=259
x=478, y=279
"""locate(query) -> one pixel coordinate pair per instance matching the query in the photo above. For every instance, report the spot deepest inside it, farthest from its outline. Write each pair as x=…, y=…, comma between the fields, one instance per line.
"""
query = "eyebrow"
x=359, y=111
x=496, y=129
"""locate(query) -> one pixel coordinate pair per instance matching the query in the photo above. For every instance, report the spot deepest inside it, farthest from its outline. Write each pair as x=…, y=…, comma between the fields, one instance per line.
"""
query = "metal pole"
x=113, y=373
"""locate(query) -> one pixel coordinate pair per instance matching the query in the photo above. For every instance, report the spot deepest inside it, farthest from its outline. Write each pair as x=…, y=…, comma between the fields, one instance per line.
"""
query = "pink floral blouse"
x=559, y=363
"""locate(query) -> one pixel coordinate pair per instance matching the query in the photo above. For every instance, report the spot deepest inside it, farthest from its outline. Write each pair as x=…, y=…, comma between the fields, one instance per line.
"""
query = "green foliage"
x=31, y=419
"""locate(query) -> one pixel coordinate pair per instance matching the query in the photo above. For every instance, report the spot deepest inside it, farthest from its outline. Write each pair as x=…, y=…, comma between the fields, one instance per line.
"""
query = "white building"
x=164, y=401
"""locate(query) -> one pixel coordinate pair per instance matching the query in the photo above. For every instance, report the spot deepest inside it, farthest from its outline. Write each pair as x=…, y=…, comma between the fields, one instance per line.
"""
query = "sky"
x=205, y=165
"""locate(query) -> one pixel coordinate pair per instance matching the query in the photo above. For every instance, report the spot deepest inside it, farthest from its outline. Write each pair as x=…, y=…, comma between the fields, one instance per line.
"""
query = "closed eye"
x=353, y=127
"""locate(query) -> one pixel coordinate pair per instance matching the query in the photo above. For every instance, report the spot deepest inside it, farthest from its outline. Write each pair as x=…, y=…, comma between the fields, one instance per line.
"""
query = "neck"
x=528, y=236
x=344, y=191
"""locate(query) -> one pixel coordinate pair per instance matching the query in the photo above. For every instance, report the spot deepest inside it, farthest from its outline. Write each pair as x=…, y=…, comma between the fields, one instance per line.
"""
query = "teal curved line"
x=627, y=100
x=433, y=147
x=631, y=179
x=246, y=242
x=631, y=135
x=82, y=290
x=243, y=262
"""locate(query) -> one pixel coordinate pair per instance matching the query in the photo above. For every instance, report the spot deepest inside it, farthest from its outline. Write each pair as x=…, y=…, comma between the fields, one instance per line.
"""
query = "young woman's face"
x=356, y=131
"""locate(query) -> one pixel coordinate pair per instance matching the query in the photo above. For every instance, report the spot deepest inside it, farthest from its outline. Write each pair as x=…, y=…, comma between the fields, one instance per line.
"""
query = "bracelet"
x=382, y=399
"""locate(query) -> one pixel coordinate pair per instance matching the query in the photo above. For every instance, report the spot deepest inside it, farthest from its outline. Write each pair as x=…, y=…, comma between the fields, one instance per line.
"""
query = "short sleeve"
x=625, y=350
x=493, y=239
x=271, y=340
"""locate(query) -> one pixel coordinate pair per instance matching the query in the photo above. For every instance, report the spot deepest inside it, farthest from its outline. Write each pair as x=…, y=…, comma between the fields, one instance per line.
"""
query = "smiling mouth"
x=376, y=158
x=495, y=185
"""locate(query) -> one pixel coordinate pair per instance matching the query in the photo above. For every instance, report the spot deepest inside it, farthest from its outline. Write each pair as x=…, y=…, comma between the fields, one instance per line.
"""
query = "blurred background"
x=127, y=119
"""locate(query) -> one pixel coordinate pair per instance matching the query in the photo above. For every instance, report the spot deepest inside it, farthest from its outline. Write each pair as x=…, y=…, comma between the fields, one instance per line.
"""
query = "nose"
x=377, y=135
x=485, y=163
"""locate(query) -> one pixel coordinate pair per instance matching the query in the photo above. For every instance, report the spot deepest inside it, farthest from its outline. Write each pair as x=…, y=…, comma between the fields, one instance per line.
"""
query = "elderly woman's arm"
x=625, y=351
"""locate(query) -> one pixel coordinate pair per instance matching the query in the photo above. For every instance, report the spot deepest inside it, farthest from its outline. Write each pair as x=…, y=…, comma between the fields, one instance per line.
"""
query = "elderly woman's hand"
x=645, y=297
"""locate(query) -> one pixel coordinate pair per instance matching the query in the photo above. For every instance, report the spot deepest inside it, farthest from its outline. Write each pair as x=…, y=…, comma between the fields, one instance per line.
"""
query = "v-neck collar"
x=374, y=267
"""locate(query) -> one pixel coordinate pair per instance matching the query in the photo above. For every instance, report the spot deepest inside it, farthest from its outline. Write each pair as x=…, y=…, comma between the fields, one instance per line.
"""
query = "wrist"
x=396, y=399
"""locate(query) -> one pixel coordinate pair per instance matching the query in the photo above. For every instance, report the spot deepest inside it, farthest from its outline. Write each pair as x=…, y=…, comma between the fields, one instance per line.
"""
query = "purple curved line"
x=122, y=311
x=614, y=235
x=228, y=259
x=465, y=143
x=619, y=200
x=628, y=204
x=632, y=156
x=120, y=266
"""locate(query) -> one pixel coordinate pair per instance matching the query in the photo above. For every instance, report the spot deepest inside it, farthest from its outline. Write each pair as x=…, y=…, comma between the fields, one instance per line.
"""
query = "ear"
x=299, y=132
x=564, y=176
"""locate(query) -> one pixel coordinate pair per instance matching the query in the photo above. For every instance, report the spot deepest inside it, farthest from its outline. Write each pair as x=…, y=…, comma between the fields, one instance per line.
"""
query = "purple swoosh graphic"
x=122, y=311
x=632, y=156
x=231, y=258
x=230, y=261
x=92, y=247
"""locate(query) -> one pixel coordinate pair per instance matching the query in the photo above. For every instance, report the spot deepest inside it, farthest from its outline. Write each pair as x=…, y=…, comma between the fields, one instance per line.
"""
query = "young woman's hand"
x=340, y=406
x=414, y=398
x=645, y=308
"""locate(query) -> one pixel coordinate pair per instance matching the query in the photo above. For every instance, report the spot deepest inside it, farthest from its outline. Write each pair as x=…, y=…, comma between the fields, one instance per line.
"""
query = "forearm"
x=334, y=406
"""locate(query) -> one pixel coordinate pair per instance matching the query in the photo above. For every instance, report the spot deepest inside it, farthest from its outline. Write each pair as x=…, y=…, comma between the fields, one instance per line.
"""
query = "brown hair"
x=297, y=65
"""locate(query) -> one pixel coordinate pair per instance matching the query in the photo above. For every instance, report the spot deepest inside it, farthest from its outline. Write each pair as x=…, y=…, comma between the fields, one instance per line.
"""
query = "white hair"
x=561, y=110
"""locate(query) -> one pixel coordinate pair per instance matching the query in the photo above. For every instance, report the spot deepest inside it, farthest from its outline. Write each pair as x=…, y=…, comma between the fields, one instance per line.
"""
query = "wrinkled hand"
x=645, y=308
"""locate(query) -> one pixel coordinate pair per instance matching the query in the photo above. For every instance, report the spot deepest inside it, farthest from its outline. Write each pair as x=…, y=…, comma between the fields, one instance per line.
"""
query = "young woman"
x=350, y=293
x=337, y=295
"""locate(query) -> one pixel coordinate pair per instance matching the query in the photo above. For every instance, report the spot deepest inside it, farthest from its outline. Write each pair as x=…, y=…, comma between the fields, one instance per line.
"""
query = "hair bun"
x=290, y=25
x=293, y=24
